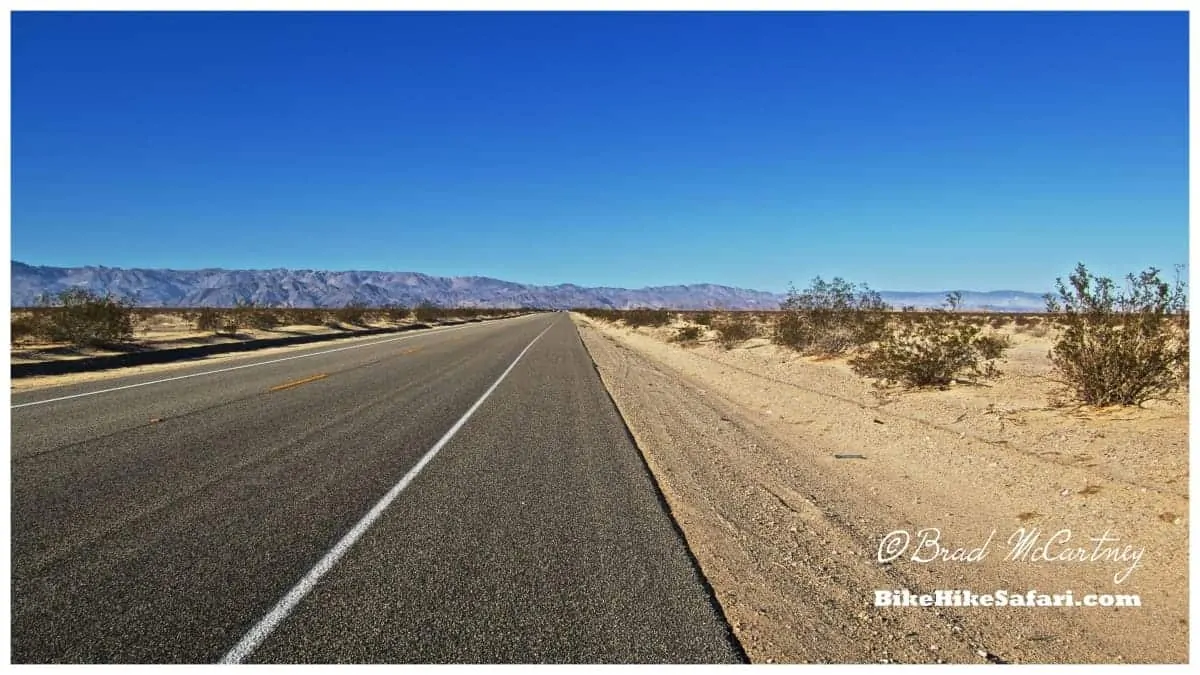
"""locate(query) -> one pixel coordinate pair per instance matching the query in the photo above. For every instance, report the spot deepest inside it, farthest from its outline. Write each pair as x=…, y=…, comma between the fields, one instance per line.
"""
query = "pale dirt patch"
x=743, y=443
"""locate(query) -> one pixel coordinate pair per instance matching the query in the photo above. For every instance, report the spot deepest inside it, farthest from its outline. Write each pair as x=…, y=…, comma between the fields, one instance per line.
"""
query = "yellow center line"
x=412, y=350
x=297, y=383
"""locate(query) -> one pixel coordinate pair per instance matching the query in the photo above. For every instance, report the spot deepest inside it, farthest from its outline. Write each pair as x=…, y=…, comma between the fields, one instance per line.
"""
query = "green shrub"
x=427, y=312
x=395, y=312
x=646, y=317
x=992, y=347
x=734, y=328
x=1119, y=347
x=261, y=318
x=931, y=353
x=353, y=314
x=829, y=318
x=83, y=318
x=308, y=317
x=24, y=327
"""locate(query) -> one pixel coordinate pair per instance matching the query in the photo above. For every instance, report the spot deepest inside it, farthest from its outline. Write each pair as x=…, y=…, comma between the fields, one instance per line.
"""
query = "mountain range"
x=315, y=288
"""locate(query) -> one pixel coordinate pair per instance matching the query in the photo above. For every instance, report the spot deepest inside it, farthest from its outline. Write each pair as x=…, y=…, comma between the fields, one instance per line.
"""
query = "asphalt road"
x=337, y=508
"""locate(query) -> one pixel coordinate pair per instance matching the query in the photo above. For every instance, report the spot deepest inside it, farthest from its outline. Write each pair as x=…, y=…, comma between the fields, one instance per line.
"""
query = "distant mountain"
x=310, y=288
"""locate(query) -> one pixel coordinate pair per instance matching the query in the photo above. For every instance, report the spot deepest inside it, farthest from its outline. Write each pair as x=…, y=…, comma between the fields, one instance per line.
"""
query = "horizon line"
x=477, y=276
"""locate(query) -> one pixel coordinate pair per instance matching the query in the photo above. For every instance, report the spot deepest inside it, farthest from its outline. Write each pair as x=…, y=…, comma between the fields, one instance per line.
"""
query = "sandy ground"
x=786, y=475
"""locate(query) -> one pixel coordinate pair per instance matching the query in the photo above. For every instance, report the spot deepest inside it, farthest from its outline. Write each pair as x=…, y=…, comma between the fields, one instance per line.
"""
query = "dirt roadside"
x=745, y=446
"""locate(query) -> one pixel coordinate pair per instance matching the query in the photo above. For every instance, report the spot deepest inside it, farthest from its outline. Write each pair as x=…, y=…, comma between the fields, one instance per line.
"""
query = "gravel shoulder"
x=785, y=475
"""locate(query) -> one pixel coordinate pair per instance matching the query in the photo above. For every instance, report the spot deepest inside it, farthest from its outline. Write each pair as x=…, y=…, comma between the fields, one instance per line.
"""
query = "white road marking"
x=266, y=625
x=248, y=365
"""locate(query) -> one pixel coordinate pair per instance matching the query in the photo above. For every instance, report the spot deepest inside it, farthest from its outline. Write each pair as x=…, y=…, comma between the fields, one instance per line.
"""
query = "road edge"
x=663, y=503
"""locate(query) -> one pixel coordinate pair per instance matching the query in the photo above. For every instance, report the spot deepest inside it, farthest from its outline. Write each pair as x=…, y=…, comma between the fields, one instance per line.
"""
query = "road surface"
x=459, y=495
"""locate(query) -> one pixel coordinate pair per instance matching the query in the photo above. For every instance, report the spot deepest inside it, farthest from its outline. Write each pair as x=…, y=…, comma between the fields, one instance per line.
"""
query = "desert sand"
x=786, y=473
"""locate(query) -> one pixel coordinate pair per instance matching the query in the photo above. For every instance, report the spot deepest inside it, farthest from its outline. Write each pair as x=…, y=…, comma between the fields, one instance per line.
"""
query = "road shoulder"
x=786, y=532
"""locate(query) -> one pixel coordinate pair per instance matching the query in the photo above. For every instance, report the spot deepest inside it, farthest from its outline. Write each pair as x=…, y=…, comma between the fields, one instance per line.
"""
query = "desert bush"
x=395, y=312
x=25, y=326
x=829, y=318
x=686, y=334
x=992, y=346
x=261, y=318
x=303, y=316
x=83, y=318
x=1119, y=347
x=207, y=319
x=734, y=328
x=610, y=315
x=231, y=323
x=427, y=312
x=353, y=313
x=233, y=319
x=646, y=317
x=703, y=319
x=248, y=314
x=931, y=353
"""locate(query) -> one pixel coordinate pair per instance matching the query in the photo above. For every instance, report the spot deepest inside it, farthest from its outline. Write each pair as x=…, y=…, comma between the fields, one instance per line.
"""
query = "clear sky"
x=911, y=151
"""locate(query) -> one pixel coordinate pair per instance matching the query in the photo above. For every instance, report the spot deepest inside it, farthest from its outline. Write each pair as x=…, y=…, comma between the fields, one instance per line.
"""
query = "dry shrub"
x=931, y=353
x=600, y=314
x=686, y=334
x=830, y=318
x=395, y=312
x=354, y=314
x=82, y=318
x=24, y=327
x=427, y=312
x=646, y=317
x=734, y=328
x=1119, y=347
x=207, y=319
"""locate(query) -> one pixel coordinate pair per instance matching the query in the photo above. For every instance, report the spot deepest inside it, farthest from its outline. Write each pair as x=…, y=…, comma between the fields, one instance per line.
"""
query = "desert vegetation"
x=932, y=352
x=1107, y=345
x=1120, y=346
x=831, y=318
x=755, y=421
x=78, y=318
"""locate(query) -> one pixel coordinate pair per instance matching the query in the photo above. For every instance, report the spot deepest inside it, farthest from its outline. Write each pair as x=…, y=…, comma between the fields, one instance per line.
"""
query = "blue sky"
x=911, y=151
